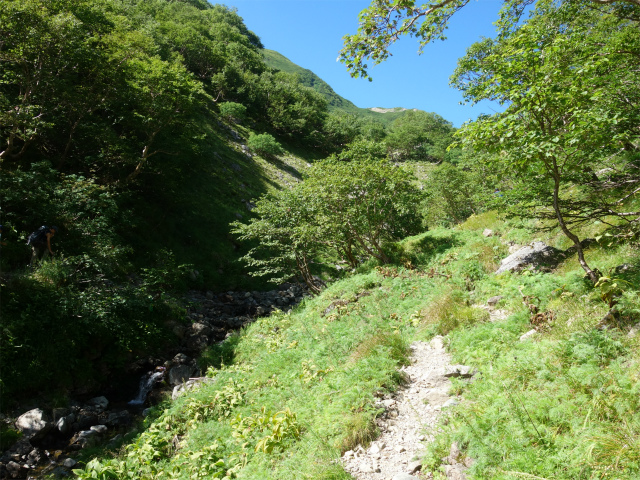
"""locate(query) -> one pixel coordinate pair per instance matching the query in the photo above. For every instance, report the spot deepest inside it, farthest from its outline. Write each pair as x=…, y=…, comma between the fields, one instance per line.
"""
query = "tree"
x=53, y=74
x=558, y=74
x=163, y=95
x=419, y=135
x=361, y=205
x=292, y=109
x=264, y=144
x=342, y=209
x=385, y=21
x=232, y=111
x=284, y=231
x=452, y=194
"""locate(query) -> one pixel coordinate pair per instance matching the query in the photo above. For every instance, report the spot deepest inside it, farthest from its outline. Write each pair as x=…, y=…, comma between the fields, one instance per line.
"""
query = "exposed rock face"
x=212, y=315
x=180, y=374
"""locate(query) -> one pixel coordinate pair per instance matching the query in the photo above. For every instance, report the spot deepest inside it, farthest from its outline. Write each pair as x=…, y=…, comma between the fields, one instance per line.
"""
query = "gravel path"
x=409, y=421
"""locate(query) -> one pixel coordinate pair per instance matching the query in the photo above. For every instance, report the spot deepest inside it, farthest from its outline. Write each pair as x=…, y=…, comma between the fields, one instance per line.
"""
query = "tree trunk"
x=563, y=226
x=303, y=267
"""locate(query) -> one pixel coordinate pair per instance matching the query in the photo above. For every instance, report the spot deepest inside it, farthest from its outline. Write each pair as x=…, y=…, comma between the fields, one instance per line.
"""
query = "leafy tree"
x=348, y=209
x=564, y=120
x=362, y=205
x=232, y=111
x=53, y=74
x=292, y=109
x=419, y=135
x=373, y=130
x=341, y=128
x=286, y=235
x=362, y=151
x=452, y=194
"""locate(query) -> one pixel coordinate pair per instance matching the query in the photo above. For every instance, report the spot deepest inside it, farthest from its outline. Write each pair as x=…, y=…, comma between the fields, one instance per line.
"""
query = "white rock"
x=33, y=424
x=634, y=331
x=99, y=429
x=529, y=334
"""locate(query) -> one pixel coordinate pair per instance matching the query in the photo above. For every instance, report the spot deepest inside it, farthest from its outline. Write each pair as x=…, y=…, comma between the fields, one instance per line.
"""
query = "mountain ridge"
x=336, y=102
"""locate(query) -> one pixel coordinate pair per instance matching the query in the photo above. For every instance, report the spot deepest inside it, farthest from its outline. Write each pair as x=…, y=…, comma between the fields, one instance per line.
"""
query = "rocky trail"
x=410, y=421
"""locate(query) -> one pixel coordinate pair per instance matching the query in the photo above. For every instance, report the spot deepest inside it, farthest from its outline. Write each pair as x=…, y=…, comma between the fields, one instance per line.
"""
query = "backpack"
x=38, y=236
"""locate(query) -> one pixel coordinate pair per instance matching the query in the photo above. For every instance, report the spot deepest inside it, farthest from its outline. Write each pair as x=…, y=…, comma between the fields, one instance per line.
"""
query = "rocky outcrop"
x=212, y=315
x=33, y=424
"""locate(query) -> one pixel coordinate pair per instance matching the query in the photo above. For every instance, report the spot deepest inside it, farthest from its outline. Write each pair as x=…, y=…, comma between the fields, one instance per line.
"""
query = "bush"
x=232, y=111
x=264, y=144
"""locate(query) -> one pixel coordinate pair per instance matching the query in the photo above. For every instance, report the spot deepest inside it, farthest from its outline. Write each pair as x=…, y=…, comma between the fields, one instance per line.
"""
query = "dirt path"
x=409, y=421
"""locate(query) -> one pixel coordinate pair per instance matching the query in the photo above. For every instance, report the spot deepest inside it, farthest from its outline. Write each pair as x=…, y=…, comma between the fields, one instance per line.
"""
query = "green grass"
x=294, y=391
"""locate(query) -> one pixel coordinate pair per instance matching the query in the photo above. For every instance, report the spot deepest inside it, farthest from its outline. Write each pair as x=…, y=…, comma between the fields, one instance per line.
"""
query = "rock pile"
x=213, y=316
x=45, y=436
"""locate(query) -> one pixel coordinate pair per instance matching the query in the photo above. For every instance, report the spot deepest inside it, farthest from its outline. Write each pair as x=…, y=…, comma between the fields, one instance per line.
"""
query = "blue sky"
x=309, y=33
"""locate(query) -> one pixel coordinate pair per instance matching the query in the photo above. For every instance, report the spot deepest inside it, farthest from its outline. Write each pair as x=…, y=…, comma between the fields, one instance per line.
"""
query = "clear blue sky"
x=309, y=33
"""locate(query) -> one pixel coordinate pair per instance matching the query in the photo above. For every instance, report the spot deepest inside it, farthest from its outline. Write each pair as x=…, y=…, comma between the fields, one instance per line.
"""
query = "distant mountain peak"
x=391, y=110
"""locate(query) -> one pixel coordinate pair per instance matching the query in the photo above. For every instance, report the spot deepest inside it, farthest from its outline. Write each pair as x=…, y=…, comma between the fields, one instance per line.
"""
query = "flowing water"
x=146, y=385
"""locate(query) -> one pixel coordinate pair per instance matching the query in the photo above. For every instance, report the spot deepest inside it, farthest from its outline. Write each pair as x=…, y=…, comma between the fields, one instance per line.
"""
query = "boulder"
x=34, y=424
x=200, y=328
x=537, y=254
x=414, y=467
x=100, y=402
x=65, y=424
x=455, y=472
x=181, y=359
x=99, y=429
x=180, y=374
x=493, y=301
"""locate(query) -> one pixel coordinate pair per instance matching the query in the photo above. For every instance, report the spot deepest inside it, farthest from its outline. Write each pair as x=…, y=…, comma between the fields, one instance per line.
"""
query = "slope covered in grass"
x=293, y=391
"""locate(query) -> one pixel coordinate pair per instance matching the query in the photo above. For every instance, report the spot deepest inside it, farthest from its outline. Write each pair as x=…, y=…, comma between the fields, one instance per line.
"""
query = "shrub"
x=232, y=111
x=264, y=144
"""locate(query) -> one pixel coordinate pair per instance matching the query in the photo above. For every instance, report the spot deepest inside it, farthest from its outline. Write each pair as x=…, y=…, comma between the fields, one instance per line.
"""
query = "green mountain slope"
x=278, y=61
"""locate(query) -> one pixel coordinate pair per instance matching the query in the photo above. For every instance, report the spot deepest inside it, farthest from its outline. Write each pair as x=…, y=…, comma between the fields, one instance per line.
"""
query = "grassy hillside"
x=336, y=102
x=295, y=390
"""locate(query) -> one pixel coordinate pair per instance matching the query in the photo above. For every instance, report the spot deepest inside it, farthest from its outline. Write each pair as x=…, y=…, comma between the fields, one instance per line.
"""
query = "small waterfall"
x=146, y=385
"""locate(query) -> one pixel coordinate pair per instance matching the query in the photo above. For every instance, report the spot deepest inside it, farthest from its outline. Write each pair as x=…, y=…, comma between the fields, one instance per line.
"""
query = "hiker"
x=41, y=240
x=3, y=244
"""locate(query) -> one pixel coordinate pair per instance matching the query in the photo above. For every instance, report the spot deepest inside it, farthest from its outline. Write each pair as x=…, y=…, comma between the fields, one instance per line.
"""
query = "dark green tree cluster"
x=104, y=104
